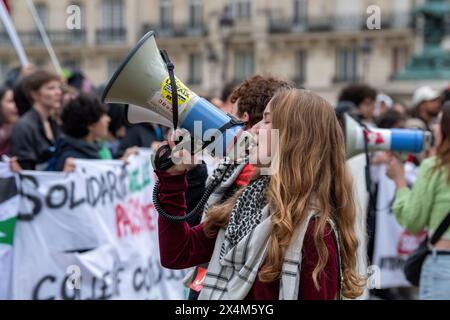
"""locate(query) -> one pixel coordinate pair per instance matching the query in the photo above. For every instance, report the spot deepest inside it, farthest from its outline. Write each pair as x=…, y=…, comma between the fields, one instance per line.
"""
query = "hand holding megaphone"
x=175, y=153
x=146, y=82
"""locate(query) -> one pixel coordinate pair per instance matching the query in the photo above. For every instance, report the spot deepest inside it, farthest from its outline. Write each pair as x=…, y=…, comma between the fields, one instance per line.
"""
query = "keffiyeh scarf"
x=246, y=213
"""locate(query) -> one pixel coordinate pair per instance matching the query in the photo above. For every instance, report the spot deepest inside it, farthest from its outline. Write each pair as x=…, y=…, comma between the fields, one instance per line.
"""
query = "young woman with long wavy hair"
x=288, y=235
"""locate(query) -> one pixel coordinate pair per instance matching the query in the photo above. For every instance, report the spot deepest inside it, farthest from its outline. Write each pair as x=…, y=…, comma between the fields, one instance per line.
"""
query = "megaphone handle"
x=162, y=159
x=173, y=87
x=372, y=198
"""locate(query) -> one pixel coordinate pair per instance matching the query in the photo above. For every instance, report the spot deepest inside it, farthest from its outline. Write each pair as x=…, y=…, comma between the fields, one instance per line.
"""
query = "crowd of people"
x=290, y=235
x=46, y=120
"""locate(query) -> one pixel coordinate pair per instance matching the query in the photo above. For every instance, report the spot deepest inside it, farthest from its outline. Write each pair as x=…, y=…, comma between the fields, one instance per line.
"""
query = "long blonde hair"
x=309, y=173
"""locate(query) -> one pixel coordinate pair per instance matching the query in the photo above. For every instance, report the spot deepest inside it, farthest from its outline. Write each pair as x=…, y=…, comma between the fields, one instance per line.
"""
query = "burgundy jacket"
x=182, y=247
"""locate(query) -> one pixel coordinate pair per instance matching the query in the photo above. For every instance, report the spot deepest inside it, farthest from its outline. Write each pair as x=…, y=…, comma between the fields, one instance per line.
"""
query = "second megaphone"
x=359, y=139
x=143, y=82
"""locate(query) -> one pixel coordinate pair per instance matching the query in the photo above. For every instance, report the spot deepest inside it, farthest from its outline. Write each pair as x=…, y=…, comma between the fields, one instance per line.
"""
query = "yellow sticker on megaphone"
x=184, y=94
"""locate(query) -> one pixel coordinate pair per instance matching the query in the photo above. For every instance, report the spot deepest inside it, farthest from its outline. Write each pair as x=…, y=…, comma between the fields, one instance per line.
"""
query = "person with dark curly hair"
x=363, y=97
x=84, y=123
x=251, y=96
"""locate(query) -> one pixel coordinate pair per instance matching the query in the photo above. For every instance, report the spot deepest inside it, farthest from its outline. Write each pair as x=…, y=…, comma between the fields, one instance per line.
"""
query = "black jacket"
x=30, y=144
x=70, y=147
x=138, y=135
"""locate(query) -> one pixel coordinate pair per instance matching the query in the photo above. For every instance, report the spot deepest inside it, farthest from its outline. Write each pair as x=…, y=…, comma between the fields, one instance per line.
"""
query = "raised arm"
x=412, y=207
x=180, y=245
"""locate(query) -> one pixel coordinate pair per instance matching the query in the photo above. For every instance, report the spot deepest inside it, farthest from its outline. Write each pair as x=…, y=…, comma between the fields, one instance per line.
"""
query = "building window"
x=113, y=64
x=241, y=9
x=299, y=13
x=244, y=65
x=347, y=64
x=113, y=24
x=4, y=38
x=348, y=15
x=165, y=14
x=399, y=59
x=300, y=67
x=113, y=12
x=195, y=68
x=42, y=11
x=195, y=13
x=4, y=68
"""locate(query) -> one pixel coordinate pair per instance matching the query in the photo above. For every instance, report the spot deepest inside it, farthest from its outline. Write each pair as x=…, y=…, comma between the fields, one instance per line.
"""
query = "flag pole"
x=9, y=26
x=44, y=36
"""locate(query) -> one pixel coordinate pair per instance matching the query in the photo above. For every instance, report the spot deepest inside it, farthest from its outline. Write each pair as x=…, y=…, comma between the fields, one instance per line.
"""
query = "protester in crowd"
x=8, y=117
x=77, y=80
x=225, y=104
x=426, y=105
x=116, y=129
x=383, y=103
x=143, y=135
x=85, y=126
x=250, y=98
x=310, y=198
x=35, y=133
x=14, y=80
x=363, y=97
x=68, y=93
x=84, y=122
x=402, y=109
x=17, y=73
x=390, y=119
x=383, y=195
x=425, y=206
x=445, y=94
x=21, y=98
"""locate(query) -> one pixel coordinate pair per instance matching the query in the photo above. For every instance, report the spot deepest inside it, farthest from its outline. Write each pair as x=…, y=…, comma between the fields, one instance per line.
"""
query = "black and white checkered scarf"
x=246, y=213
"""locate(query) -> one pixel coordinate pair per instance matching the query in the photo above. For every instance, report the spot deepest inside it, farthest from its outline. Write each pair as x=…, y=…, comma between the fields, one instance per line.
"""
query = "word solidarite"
x=93, y=191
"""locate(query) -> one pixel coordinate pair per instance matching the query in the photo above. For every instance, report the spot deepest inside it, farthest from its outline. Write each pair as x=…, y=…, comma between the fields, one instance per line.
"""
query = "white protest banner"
x=356, y=166
x=393, y=243
x=91, y=234
x=9, y=207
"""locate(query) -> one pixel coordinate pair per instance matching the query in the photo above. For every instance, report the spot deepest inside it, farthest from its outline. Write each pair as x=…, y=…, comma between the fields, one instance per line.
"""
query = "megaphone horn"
x=358, y=138
x=144, y=82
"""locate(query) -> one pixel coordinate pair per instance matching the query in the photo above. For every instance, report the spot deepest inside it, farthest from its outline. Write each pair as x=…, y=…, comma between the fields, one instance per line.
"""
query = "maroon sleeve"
x=180, y=246
x=328, y=278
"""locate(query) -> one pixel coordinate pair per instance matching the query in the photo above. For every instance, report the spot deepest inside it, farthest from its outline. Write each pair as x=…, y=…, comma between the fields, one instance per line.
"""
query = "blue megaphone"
x=357, y=138
x=143, y=82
